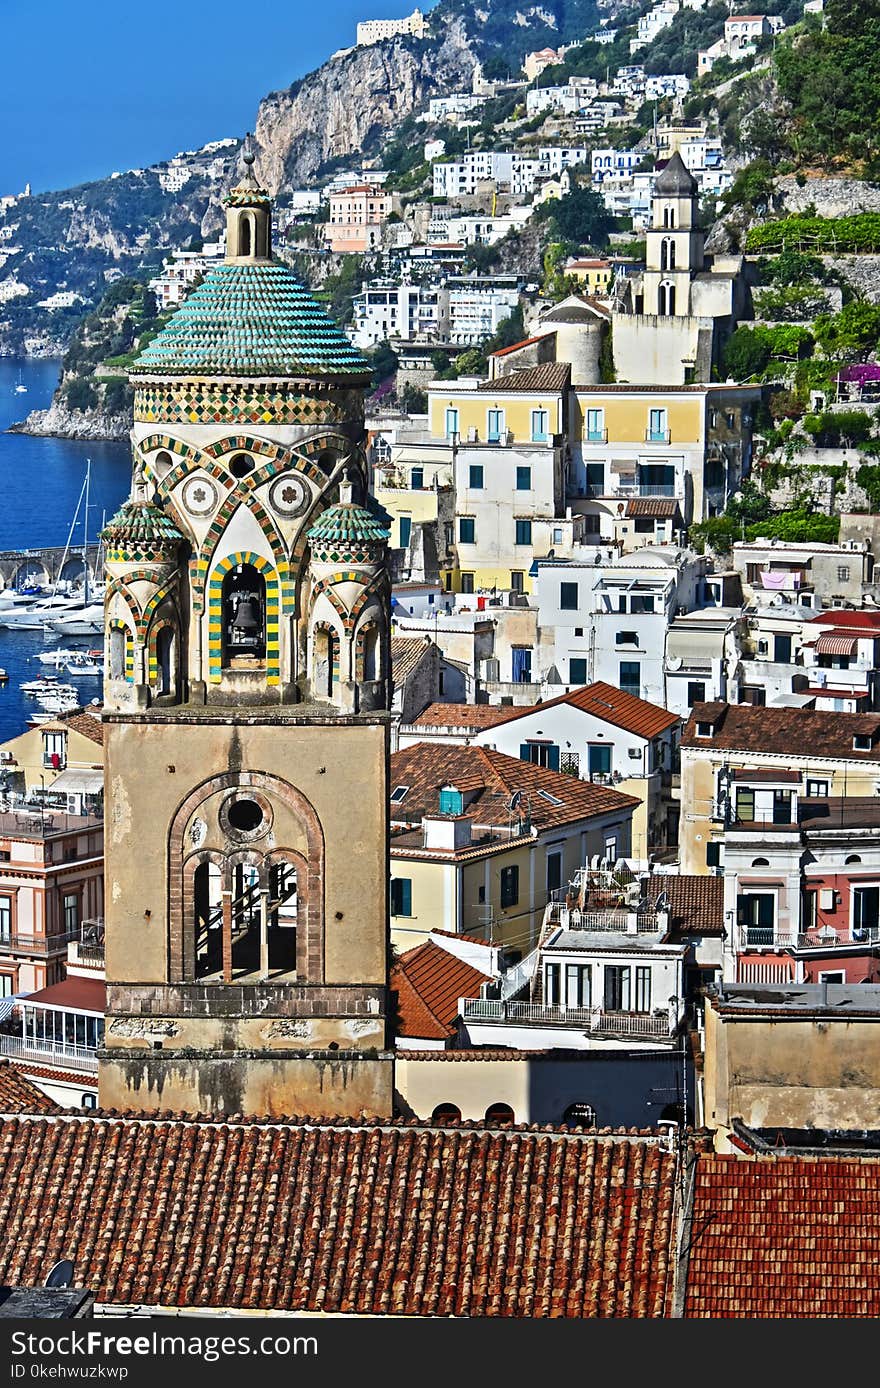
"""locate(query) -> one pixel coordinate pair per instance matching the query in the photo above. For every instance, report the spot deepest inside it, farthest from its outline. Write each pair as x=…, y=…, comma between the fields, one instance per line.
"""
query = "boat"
x=4, y=676
x=37, y=718
x=80, y=665
x=60, y=655
x=88, y=621
x=20, y=387
x=61, y=602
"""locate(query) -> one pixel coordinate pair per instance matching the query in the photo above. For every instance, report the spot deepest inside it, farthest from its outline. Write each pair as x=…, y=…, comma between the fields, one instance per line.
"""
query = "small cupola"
x=248, y=218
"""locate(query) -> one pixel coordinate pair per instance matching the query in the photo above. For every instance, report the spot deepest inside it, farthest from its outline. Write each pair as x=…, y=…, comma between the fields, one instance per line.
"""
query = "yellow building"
x=594, y=275
x=829, y=754
x=53, y=752
x=480, y=840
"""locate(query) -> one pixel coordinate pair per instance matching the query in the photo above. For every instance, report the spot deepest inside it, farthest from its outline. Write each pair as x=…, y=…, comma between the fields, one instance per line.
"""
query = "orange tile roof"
x=407, y=653
x=602, y=700
x=783, y=1237
x=788, y=731
x=357, y=1219
x=463, y=715
x=18, y=1095
x=516, y=346
x=551, y=376
x=696, y=903
x=427, y=766
x=429, y=981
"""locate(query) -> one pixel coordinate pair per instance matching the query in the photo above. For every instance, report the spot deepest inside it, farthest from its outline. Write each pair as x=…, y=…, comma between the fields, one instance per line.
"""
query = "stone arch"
x=324, y=658
x=215, y=614
x=310, y=933
x=242, y=495
x=200, y=911
x=120, y=650
x=163, y=651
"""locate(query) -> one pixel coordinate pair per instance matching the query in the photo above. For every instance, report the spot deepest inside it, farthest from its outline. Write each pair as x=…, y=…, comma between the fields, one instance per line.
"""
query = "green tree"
x=580, y=218
x=384, y=362
x=852, y=334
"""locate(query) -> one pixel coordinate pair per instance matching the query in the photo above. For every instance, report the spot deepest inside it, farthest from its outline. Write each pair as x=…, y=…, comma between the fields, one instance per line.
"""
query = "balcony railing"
x=583, y=1018
x=657, y=436
x=65, y=1054
x=12, y=942
x=765, y=937
x=596, y=436
x=572, y=918
x=656, y=489
x=829, y=939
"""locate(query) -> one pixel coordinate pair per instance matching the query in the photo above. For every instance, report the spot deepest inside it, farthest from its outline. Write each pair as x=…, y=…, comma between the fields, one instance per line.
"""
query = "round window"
x=241, y=465
x=245, y=816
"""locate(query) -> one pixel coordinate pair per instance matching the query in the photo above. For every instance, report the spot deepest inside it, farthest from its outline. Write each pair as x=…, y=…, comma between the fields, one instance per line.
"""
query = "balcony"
x=65, y=1054
x=765, y=937
x=620, y=920
x=830, y=939
x=596, y=436
x=657, y=436
x=594, y=1019
x=12, y=942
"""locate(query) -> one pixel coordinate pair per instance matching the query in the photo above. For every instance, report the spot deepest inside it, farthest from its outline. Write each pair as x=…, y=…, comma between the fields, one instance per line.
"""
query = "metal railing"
x=62, y=1053
x=573, y=918
x=589, y=1018
x=12, y=942
x=657, y=436
x=765, y=937
x=830, y=939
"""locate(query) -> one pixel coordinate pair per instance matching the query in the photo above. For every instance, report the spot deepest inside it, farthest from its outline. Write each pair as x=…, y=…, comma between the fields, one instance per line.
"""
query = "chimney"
x=446, y=832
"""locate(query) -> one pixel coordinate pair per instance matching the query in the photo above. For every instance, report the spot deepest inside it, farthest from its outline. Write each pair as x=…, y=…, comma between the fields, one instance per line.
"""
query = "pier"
x=20, y=567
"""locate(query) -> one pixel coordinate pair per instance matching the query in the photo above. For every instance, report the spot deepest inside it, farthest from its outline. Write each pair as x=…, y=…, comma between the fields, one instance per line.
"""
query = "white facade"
x=575, y=96
x=615, y=163
x=405, y=311
x=455, y=104
x=475, y=314
x=180, y=272
x=654, y=22
x=480, y=229
x=670, y=84
x=371, y=31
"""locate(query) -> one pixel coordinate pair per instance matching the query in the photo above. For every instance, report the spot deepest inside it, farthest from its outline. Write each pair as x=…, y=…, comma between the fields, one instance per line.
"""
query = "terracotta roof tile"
x=428, y=766
x=462, y=715
x=656, y=507
x=789, y=731
x=407, y=653
x=86, y=994
x=353, y=1219
x=19, y=1095
x=89, y=724
x=549, y=376
x=429, y=982
x=782, y=1237
x=696, y=903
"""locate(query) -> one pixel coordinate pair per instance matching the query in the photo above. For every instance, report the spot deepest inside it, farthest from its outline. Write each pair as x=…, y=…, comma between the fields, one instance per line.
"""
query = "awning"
x=79, y=780
x=7, y=1004
x=836, y=645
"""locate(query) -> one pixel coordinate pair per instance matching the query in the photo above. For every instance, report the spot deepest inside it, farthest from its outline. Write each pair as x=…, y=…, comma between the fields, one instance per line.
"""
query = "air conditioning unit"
x=472, y=434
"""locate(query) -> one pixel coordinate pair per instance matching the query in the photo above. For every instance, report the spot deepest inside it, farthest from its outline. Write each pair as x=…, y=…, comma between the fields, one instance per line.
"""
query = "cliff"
x=61, y=421
x=348, y=104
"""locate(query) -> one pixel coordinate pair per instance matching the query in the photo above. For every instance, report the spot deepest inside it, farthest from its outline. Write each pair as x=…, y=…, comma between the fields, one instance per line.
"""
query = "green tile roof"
x=251, y=320
x=140, y=521
x=348, y=523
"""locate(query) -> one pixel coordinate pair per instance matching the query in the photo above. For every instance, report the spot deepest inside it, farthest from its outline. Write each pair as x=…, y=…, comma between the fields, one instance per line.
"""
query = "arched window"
x=669, y=217
x=499, y=1113
x=446, y=1113
x=853, y=858
x=244, y=613
x=245, y=236
x=579, y=1115
x=208, y=908
x=760, y=862
x=119, y=646
x=370, y=637
x=165, y=662
x=667, y=300
x=246, y=919
x=283, y=912
x=667, y=254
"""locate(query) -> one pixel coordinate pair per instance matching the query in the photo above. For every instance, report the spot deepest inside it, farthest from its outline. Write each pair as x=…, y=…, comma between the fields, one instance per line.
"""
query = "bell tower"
x=246, y=693
x=674, y=243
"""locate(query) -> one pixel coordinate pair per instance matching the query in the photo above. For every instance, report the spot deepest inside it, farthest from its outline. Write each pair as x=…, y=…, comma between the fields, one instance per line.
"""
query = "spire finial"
x=248, y=159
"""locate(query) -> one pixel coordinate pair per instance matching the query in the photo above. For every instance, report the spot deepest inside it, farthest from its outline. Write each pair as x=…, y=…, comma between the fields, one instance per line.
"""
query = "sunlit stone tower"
x=246, y=690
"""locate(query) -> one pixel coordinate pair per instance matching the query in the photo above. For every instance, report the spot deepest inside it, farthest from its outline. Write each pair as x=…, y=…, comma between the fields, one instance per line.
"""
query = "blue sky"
x=98, y=85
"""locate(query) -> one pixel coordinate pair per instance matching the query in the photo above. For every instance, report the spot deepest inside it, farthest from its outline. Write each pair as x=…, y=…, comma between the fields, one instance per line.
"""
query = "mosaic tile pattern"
x=215, y=615
x=116, y=625
x=327, y=585
x=205, y=402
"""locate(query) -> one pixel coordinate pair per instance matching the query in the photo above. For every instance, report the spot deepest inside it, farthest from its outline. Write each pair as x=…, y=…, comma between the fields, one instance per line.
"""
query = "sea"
x=40, y=483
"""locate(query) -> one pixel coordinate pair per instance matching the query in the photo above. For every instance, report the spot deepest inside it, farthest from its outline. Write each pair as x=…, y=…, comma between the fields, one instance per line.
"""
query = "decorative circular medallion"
x=289, y=495
x=199, y=496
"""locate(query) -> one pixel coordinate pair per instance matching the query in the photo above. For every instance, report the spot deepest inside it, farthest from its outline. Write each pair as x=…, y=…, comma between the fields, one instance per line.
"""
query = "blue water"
x=41, y=480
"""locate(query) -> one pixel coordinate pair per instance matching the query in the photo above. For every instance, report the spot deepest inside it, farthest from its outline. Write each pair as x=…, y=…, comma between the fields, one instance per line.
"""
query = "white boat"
x=20, y=387
x=35, y=615
x=59, y=656
x=83, y=666
x=37, y=718
x=88, y=621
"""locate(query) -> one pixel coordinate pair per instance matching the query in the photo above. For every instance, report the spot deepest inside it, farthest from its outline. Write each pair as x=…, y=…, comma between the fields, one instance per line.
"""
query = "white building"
x=575, y=96
x=669, y=84
x=180, y=272
x=371, y=31
x=615, y=163
x=405, y=311
x=607, y=620
x=434, y=149
x=476, y=312
x=478, y=228
x=654, y=22
x=454, y=105
x=64, y=298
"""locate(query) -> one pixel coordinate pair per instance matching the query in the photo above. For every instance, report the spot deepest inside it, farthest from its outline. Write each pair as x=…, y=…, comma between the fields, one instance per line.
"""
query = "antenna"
x=61, y=1274
x=514, y=801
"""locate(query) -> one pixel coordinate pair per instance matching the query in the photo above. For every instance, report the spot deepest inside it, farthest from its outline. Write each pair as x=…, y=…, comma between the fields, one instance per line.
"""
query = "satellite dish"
x=61, y=1274
x=674, y=662
x=514, y=801
x=662, y=902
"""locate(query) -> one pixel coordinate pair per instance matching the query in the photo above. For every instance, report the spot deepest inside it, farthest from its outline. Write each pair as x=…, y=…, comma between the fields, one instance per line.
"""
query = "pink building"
x=357, y=216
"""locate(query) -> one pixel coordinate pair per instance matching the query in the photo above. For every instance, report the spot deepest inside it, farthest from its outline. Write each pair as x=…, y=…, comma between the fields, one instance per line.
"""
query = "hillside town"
x=482, y=810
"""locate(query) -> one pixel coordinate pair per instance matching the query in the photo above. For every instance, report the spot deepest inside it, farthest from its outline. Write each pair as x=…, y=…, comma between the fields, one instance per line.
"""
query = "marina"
x=42, y=554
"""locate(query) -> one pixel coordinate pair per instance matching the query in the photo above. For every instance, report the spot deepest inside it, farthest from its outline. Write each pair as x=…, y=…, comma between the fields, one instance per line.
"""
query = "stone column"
x=227, y=936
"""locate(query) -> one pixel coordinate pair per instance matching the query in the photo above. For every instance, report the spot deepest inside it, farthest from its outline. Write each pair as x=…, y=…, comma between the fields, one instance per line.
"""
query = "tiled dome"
x=139, y=522
x=350, y=524
x=251, y=320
